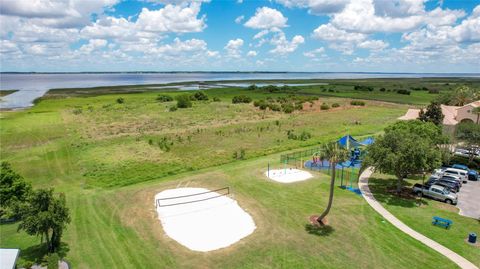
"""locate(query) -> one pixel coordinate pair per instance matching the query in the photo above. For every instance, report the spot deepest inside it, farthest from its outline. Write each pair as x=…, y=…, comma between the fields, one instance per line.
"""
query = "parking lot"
x=469, y=199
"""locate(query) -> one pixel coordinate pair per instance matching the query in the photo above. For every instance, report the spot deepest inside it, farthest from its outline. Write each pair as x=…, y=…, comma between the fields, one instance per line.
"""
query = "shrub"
x=288, y=108
x=434, y=91
x=403, y=91
x=199, y=96
x=335, y=105
x=305, y=136
x=52, y=262
x=120, y=100
x=216, y=99
x=164, y=98
x=241, y=99
x=331, y=90
x=77, y=111
x=324, y=107
x=382, y=89
x=363, y=88
x=357, y=103
x=252, y=87
x=172, y=108
x=183, y=101
x=257, y=103
x=275, y=107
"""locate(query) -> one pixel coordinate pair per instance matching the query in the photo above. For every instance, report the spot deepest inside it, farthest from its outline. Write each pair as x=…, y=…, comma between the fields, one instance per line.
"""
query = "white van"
x=462, y=174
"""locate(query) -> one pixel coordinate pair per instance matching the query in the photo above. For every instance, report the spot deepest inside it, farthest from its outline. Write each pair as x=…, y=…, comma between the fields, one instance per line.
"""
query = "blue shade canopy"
x=367, y=141
x=350, y=142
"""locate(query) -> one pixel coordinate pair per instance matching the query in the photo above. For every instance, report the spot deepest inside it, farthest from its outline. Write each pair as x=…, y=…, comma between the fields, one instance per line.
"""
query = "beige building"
x=452, y=114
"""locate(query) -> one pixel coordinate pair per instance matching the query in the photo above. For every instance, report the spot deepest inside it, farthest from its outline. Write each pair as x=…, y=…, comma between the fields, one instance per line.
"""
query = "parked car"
x=451, y=186
x=436, y=192
x=462, y=174
x=473, y=175
x=452, y=179
x=461, y=167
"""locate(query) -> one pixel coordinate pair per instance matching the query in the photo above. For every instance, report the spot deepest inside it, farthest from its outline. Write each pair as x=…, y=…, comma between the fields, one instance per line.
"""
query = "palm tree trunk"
x=330, y=198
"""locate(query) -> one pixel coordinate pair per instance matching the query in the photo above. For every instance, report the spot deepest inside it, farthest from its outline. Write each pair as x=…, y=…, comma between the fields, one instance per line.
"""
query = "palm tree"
x=334, y=154
x=477, y=111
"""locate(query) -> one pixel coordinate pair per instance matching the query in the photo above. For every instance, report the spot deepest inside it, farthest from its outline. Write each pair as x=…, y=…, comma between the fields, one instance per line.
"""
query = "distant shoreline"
x=239, y=72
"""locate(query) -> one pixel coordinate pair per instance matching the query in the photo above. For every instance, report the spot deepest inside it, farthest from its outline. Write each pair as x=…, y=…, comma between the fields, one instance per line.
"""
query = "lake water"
x=32, y=86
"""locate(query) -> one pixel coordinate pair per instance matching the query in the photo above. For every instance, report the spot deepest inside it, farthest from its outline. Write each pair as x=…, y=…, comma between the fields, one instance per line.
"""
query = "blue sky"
x=276, y=35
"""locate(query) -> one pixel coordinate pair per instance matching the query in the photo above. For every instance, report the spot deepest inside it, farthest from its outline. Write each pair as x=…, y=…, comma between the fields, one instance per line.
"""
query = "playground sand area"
x=288, y=175
x=202, y=220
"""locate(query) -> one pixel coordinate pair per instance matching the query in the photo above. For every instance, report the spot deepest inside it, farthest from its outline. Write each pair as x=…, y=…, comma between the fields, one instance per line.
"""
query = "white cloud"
x=252, y=53
x=266, y=18
x=233, y=47
x=54, y=13
x=469, y=29
x=93, y=44
x=239, y=19
x=260, y=34
x=8, y=47
x=314, y=53
x=368, y=16
x=316, y=7
x=212, y=53
x=110, y=27
x=283, y=46
x=398, y=8
x=373, y=45
x=329, y=32
x=172, y=18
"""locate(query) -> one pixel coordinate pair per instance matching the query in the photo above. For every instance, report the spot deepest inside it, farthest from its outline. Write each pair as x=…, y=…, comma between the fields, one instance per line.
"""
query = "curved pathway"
x=367, y=194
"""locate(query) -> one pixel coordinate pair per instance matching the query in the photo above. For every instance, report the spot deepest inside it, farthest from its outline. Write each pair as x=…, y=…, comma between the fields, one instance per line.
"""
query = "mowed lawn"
x=109, y=160
x=119, y=228
x=419, y=218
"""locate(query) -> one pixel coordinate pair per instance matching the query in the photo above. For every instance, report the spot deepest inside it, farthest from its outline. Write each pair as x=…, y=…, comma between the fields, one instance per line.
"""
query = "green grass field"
x=419, y=217
x=110, y=160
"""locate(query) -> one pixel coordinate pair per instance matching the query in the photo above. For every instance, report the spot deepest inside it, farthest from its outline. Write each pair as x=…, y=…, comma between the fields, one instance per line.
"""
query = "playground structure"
x=347, y=171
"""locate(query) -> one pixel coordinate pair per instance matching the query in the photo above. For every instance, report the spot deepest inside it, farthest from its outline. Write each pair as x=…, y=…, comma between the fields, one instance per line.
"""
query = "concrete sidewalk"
x=367, y=194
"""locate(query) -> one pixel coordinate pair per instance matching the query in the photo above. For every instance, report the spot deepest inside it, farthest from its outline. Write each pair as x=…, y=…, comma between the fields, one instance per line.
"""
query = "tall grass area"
x=97, y=142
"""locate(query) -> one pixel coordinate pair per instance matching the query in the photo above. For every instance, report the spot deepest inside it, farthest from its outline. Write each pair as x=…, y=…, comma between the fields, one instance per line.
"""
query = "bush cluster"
x=419, y=88
x=363, y=88
x=357, y=103
x=120, y=100
x=183, y=101
x=324, y=106
x=241, y=99
x=285, y=104
x=434, y=91
x=164, y=98
x=302, y=137
x=334, y=105
x=403, y=91
x=199, y=96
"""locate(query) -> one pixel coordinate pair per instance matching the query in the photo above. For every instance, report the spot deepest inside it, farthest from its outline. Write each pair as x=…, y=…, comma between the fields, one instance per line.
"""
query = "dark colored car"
x=451, y=180
x=450, y=186
x=473, y=175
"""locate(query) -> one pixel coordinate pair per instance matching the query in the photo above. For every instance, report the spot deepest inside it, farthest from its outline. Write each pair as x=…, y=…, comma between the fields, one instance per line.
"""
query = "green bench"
x=442, y=222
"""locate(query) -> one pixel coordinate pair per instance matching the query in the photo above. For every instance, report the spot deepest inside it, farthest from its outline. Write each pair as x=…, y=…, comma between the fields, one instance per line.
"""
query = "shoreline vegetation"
x=4, y=93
